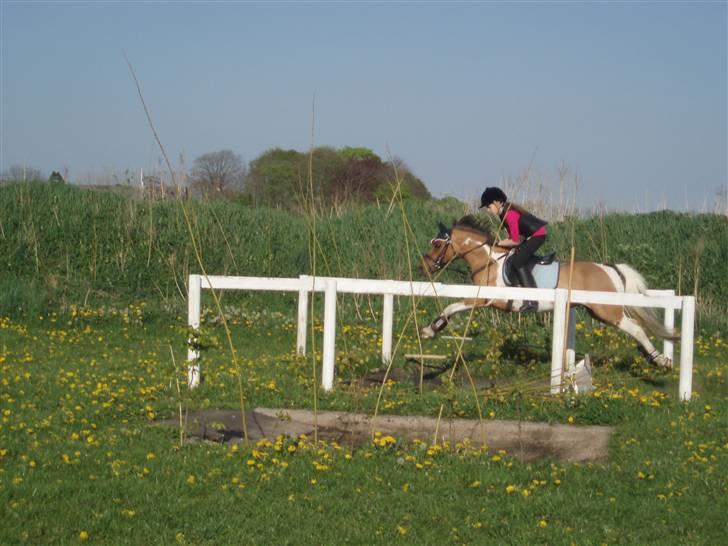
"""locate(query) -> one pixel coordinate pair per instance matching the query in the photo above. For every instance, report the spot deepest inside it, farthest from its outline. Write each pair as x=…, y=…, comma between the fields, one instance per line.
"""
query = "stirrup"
x=528, y=305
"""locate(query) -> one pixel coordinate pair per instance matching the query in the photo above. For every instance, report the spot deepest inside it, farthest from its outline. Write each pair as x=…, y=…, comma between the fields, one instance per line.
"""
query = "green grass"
x=80, y=453
x=64, y=245
x=86, y=372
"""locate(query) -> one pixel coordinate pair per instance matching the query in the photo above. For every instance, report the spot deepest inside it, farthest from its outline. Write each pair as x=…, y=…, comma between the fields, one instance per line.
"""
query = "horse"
x=473, y=242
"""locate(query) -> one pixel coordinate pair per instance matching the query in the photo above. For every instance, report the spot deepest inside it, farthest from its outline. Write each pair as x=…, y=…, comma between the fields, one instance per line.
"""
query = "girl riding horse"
x=474, y=243
x=519, y=223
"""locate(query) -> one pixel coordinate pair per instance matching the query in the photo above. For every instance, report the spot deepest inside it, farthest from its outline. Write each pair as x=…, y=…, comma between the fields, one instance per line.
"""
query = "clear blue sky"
x=631, y=96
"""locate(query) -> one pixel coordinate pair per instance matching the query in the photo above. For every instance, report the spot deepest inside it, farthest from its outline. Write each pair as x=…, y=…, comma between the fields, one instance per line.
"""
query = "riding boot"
x=525, y=278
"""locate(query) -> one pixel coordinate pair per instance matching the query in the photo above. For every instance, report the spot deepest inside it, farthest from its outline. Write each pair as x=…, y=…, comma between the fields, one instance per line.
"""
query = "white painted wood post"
x=668, y=348
x=686, y=348
x=387, y=321
x=329, y=356
x=302, y=316
x=557, y=342
x=571, y=340
x=193, y=321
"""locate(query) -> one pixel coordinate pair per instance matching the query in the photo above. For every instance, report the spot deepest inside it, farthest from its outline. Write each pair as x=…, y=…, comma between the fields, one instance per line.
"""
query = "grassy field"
x=82, y=461
x=93, y=340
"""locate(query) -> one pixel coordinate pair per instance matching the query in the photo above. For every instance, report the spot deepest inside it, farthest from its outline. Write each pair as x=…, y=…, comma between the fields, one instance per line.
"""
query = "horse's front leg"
x=430, y=331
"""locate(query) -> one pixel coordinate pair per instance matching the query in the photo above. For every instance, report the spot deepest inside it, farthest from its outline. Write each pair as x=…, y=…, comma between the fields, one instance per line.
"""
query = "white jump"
x=331, y=286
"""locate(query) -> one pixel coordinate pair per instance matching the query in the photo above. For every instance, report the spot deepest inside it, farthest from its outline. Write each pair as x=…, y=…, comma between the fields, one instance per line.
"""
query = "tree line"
x=282, y=178
x=290, y=179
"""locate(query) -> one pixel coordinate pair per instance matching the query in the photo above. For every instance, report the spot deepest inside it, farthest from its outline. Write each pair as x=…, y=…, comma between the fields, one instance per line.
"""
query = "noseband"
x=437, y=263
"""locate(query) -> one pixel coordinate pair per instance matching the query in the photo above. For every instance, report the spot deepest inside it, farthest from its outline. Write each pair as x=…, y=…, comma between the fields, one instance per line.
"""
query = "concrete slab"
x=525, y=440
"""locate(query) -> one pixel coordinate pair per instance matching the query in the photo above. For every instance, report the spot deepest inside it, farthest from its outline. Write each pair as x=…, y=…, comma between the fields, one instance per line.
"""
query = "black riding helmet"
x=492, y=194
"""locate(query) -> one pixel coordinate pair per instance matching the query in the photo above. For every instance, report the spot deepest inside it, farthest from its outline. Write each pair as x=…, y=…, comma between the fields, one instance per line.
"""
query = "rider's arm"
x=511, y=221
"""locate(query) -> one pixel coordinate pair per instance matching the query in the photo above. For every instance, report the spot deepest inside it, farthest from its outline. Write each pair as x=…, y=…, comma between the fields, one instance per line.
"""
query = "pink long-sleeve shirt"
x=511, y=221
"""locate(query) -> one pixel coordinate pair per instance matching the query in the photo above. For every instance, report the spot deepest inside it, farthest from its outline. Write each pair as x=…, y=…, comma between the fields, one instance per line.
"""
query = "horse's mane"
x=473, y=223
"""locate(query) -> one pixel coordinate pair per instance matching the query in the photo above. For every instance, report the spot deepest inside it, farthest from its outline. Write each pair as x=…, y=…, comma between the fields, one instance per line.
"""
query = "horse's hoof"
x=667, y=363
x=663, y=362
x=427, y=332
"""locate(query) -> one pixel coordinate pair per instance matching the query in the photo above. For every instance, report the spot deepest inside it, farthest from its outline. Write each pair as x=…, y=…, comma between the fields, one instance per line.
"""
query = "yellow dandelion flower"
x=83, y=535
x=542, y=523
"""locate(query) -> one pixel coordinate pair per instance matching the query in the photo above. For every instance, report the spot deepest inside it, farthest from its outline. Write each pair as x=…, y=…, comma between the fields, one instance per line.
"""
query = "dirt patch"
x=525, y=440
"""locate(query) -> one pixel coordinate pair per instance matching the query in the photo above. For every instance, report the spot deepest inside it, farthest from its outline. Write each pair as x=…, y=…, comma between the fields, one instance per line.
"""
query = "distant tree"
x=218, y=172
x=56, y=178
x=358, y=154
x=358, y=178
x=275, y=177
x=398, y=169
x=326, y=176
x=22, y=173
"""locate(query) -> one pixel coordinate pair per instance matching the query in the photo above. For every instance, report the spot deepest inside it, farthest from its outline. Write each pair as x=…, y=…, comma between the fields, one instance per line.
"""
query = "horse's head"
x=463, y=240
x=440, y=253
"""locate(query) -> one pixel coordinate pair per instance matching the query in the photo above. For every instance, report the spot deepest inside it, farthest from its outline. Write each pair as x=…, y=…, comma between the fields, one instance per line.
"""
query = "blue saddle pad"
x=546, y=276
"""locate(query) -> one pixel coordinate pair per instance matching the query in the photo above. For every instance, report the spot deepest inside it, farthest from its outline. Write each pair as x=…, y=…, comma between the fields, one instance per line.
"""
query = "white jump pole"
x=686, y=348
x=302, y=317
x=387, y=321
x=329, y=357
x=557, y=342
x=193, y=320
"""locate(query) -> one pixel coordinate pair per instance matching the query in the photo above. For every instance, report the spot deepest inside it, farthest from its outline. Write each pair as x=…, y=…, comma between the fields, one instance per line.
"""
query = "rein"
x=485, y=266
x=437, y=262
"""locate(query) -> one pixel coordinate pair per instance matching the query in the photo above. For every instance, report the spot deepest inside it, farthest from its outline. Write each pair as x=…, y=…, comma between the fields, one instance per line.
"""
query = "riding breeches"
x=526, y=250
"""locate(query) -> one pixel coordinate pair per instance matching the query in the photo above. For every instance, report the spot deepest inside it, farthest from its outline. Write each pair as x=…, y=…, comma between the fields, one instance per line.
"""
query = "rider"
x=520, y=225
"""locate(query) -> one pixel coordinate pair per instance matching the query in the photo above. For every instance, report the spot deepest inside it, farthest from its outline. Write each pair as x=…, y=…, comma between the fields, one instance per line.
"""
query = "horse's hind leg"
x=443, y=318
x=632, y=327
x=610, y=314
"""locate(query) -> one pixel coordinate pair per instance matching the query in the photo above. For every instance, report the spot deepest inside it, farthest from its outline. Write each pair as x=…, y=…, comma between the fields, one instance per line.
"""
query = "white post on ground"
x=571, y=340
x=329, y=357
x=686, y=348
x=302, y=316
x=557, y=342
x=387, y=312
x=193, y=321
x=668, y=348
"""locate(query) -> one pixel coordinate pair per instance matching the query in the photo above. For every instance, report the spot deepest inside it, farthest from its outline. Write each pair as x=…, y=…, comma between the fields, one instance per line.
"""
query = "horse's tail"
x=634, y=283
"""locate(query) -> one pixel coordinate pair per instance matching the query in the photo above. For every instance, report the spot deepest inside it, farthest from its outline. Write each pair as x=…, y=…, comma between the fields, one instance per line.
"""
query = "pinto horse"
x=474, y=243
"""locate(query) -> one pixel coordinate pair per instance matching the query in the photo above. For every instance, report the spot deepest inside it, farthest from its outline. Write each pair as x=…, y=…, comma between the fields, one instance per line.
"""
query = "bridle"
x=437, y=262
x=446, y=241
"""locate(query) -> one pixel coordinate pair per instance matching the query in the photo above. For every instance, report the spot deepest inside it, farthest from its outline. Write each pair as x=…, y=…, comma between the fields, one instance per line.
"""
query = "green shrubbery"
x=65, y=245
